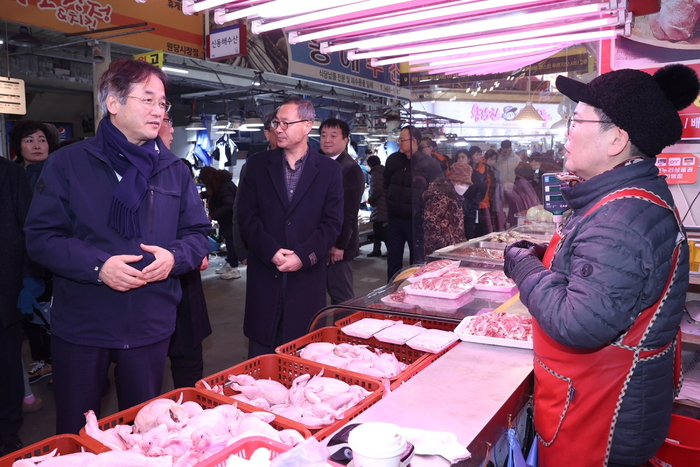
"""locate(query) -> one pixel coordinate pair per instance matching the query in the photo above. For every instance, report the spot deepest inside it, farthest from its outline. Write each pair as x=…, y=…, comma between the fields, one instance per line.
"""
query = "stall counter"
x=470, y=391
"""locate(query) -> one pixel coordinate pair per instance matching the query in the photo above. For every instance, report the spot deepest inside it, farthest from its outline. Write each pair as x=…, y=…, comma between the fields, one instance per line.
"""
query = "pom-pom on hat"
x=645, y=106
x=461, y=172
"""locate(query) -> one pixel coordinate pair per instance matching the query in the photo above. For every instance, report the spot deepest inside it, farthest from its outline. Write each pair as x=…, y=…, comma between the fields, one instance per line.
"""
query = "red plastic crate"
x=66, y=444
x=285, y=369
x=207, y=399
x=415, y=359
x=244, y=448
x=427, y=323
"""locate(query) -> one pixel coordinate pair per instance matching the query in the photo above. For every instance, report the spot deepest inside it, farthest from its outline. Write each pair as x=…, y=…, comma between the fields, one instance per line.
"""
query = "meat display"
x=509, y=237
x=367, y=327
x=500, y=325
x=433, y=340
x=495, y=280
x=464, y=275
x=472, y=252
x=357, y=358
x=445, y=285
x=433, y=269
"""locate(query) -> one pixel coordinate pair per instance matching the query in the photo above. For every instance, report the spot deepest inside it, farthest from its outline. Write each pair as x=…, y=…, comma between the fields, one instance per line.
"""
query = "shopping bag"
x=515, y=452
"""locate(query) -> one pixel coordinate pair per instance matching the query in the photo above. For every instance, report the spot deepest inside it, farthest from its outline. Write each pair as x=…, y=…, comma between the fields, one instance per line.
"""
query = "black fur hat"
x=645, y=106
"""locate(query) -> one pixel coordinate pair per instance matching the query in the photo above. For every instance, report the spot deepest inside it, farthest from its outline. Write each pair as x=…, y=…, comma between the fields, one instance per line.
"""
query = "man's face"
x=271, y=138
x=587, y=147
x=166, y=131
x=295, y=135
x=138, y=120
x=407, y=145
x=426, y=148
x=332, y=141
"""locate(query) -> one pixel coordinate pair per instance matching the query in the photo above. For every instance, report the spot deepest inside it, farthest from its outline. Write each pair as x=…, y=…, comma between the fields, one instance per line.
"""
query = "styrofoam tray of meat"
x=432, y=269
x=467, y=336
x=367, y=327
x=397, y=300
x=433, y=340
x=495, y=281
x=439, y=304
x=442, y=289
x=399, y=333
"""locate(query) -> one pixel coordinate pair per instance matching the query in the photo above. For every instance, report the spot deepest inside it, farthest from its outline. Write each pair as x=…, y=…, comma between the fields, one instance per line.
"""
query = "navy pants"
x=399, y=232
x=80, y=376
x=11, y=379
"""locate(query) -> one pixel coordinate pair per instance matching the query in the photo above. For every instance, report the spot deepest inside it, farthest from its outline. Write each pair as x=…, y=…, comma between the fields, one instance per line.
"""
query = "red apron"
x=578, y=392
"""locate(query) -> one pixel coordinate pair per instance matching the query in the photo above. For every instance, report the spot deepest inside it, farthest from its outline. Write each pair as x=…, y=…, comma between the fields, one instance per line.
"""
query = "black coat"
x=406, y=179
x=353, y=189
x=377, y=195
x=14, y=205
x=309, y=225
x=221, y=207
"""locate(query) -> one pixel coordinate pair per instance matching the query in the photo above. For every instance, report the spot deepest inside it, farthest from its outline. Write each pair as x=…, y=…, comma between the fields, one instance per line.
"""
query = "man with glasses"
x=117, y=219
x=607, y=295
x=407, y=174
x=290, y=212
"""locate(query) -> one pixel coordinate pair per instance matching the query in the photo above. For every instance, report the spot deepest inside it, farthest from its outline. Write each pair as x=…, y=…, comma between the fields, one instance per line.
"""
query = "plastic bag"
x=515, y=453
x=310, y=453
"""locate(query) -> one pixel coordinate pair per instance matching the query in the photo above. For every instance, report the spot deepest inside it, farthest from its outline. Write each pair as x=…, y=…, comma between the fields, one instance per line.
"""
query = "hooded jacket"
x=67, y=233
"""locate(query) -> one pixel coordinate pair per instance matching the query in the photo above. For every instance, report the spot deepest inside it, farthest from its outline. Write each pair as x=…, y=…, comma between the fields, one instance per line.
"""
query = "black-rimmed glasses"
x=284, y=125
x=571, y=120
x=163, y=105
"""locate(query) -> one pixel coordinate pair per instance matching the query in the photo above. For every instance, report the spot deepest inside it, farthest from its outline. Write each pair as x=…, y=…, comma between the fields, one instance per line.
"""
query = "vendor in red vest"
x=607, y=295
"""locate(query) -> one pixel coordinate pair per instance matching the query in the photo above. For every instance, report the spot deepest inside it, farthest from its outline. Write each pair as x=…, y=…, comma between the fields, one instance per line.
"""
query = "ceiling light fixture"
x=175, y=70
x=24, y=38
x=97, y=55
x=195, y=124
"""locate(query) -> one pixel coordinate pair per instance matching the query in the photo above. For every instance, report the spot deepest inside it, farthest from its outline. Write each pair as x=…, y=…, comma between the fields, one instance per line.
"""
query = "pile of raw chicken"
x=167, y=433
x=314, y=401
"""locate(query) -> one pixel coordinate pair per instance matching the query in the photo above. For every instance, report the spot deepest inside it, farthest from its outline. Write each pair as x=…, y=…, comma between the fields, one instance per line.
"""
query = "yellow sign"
x=154, y=58
x=173, y=31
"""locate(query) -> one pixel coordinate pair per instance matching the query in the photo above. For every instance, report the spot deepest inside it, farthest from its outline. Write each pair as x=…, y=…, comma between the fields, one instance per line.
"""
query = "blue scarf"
x=135, y=164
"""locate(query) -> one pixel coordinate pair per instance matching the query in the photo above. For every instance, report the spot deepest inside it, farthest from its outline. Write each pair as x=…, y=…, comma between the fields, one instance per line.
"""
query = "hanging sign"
x=227, y=42
x=154, y=58
x=12, y=97
x=679, y=168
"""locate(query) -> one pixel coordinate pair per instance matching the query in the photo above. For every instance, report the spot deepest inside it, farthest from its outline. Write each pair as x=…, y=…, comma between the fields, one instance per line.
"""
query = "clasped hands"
x=519, y=251
x=286, y=260
x=118, y=275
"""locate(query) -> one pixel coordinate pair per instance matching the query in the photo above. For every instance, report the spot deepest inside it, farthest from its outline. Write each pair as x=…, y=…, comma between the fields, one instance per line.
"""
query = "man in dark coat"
x=377, y=199
x=335, y=134
x=117, y=218
x=290, y=212
x=407, y=174
x=14, y=204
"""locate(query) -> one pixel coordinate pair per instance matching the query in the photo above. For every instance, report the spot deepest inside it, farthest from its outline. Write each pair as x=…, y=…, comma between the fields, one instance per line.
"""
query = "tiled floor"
x=224, y=348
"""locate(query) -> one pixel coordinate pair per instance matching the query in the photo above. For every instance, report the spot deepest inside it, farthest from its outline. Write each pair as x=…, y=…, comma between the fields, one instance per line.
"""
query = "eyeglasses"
x=423, y=147
x=169, y=121
x=284, y=125
x=404, y=140
x=571, y=120
x=163, y=105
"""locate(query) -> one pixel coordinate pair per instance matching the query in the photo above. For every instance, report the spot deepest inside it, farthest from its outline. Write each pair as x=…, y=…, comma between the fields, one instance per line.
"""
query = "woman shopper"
x=221, y=193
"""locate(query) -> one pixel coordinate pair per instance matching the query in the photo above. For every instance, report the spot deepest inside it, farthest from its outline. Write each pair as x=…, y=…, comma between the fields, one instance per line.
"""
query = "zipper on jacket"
x=151, y=210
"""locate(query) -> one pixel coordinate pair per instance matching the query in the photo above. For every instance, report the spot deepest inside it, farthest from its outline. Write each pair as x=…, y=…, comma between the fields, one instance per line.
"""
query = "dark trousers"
x=339, y=282
x=39, y=342
x=80, y=375
x=255, y=349
x=231, y=257
x=399, y=232
x=11, y=379
x=379, y=231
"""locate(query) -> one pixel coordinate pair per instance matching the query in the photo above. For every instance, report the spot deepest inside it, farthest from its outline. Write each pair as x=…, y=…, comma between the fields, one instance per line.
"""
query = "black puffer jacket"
x=377, y=195
x=612, y=265
x=406, y=179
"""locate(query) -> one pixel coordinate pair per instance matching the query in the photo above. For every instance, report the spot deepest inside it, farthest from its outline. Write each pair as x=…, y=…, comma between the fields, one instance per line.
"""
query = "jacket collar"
x=95, y=146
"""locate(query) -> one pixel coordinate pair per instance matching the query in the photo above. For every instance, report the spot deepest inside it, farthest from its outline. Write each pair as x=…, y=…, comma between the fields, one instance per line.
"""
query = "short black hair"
x=24, y=128
x=506, y=144
x=373, y=161
x=336, y=123
x=413, y=131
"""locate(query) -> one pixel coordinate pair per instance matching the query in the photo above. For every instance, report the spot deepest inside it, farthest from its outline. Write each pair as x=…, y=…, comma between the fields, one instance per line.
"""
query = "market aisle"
x=224, y=348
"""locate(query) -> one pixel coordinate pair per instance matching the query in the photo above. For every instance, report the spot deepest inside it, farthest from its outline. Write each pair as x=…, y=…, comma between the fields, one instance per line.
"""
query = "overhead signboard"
x=229, y=42
x=12, y=97
x=154, y=58
x=679, y=168
x=173, y=31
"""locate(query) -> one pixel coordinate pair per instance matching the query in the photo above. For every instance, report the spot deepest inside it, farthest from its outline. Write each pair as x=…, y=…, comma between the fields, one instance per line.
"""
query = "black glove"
x=515, y=253
x=539, y=249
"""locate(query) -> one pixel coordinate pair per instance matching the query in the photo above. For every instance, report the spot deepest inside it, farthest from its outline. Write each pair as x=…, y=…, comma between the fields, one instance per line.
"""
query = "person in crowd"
x=377, y=199
x=462, y=155
x=192, y=324
x=32, y=142
x=238, y=242
x=407, y=174
x=335, y=134
x=14, y=204
x=116, y=218
x=443, y=214
x=290, y=212
x=485, y=173
x=220, y=192
x=523, y=195
x=429, y=147
x=607, y=295
x=506, y=164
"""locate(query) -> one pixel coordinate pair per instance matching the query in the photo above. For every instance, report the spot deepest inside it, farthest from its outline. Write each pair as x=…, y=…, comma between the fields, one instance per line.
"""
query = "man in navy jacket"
x=290, y=212
x=117, y=218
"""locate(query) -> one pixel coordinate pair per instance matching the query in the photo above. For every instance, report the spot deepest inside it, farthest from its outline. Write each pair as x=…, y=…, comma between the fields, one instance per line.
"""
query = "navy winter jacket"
x=67, y=233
